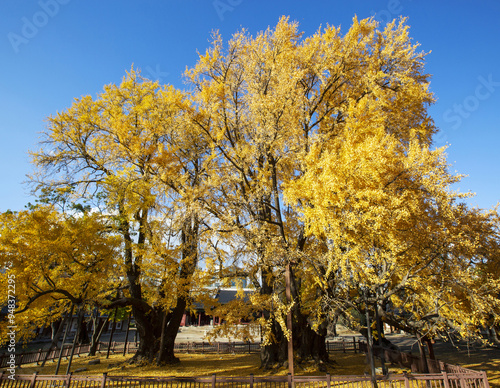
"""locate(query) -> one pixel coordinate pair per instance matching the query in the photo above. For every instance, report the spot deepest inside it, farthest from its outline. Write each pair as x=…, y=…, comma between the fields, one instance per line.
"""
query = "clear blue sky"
x=52, y=51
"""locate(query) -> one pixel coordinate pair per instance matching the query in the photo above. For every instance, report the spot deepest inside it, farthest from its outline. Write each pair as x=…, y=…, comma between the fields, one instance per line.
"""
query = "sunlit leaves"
x=57, y=260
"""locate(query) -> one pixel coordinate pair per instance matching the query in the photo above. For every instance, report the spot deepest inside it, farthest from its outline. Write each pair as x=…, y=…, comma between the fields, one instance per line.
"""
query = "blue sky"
x=53, y=51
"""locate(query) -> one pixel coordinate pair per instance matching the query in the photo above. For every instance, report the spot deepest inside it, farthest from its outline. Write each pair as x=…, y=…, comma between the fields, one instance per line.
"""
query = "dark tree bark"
x=146, y=318
x=83, y=333
x=189, y=261
x=275, y=353
x=309, y=344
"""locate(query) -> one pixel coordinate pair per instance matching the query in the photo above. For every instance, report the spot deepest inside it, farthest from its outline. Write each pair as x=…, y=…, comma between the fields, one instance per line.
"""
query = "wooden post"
x=463, y=383
x=446, y=382
x=328, y=380
x=213, y=380
x=251, y=380
x=289, y=319
x=423, y=357
x=370, y=342
x=380, y=330
x=104, y=376
x=55, y=339
x=485, y=379
x=289, y=380
x=33, y=380
x=79, y=322
x=68, y=379
x=112, y=332
x=70, y=316
x=126, y=334
x=38, y=356
x=354, y=342
x=407, y=381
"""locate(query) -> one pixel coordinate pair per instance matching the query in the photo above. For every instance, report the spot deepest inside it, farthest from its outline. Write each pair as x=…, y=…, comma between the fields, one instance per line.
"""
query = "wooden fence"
x=440, y=380
x=181, y=347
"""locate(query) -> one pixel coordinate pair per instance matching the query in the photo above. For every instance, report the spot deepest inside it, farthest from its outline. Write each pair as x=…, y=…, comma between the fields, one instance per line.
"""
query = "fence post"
x=38, y=355
x=68, y=379
x=354, y=342
x=328, y=380
x=407, y=381
x=445, y=380
x=251, y=380
x=343, y=345
x=20, y=359
x=289, y=379
x=463, y=383
x=485, y=379
x=213, y=380
x=33, y=379
x=104, y=376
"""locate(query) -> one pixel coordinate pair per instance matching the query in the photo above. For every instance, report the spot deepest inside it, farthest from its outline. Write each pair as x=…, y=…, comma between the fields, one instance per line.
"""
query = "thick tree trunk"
x=148, y=329
x=146, y=320
x=311, y=345
x=189, y=261
x=423, y=357
x=308, y=344
x=171, y=327
x=275, y=354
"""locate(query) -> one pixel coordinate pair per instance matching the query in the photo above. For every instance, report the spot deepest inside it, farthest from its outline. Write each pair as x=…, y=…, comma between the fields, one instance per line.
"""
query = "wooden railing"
x=441, y=380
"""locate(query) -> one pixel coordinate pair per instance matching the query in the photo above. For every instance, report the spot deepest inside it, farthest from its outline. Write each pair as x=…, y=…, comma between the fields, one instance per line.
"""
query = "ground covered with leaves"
x=200, y=365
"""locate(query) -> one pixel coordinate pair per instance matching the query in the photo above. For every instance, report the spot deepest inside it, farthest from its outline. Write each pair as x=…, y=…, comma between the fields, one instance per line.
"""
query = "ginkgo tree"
x=131, y=149
x=268, y=106
x=308, y=153
x=396, y=230
x=57, y=260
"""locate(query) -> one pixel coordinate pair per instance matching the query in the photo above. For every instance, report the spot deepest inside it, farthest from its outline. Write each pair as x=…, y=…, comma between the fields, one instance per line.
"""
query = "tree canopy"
x=308, y=152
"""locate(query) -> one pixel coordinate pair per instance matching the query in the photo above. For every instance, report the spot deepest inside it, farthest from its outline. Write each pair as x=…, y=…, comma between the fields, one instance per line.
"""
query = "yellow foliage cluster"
x=55, y=260
x=314, y=152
